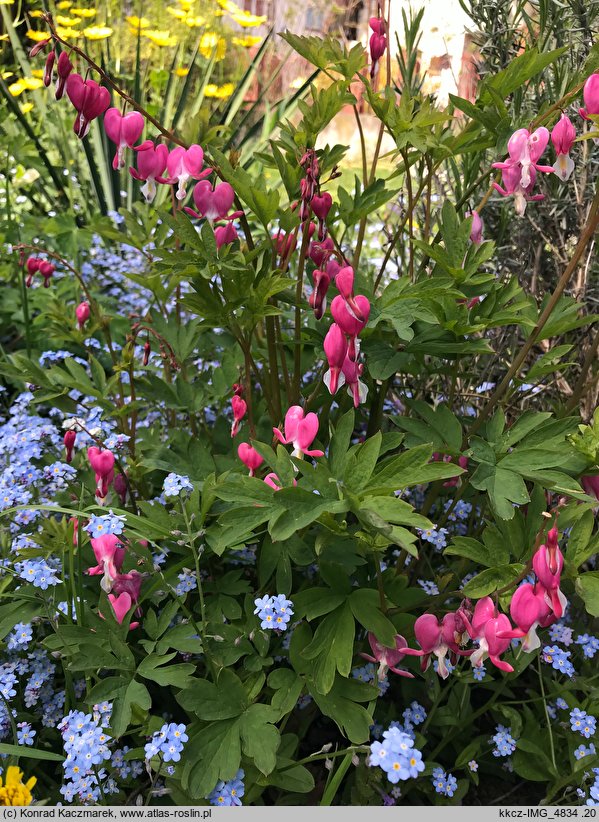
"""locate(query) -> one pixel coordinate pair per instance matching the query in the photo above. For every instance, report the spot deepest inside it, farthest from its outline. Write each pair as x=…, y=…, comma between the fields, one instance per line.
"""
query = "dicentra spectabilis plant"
x=224, y=579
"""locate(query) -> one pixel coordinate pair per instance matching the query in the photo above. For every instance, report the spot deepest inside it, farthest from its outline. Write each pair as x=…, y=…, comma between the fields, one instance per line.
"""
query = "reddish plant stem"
x=297, y=354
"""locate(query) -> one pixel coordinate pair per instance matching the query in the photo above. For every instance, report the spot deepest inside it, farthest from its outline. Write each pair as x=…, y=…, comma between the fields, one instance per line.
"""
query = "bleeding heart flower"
x=590, y=483
x=519, y=170
x=121, y=606
x=69, y=444
x=89, y=98
x=239, y=410
x=349, y=323
x=48, y=67
x=318, y=297
x=124, y=131
x=32, y=265
x=213, y=204
x=183, y=165
x=285, y=243
x=273, y=481
x=128, y=583
x=46, y=269
x=249, y=457
x=387, y=657
x=378, y=41
x=63, y=69
x=151, y=162
x=489, y=629
x=102, y=462
x=529, y=609
x=562, y=137
x=547, y=563
x=590, y=94
x=344, y=281
x=335, y=348
x=351, y=373
x=110, y=553
x=301, y=431
x=511, y=178
x=82, y=314
x=476, y=232
x=319, y=252
x=120, y=486
x=225, y=234
x=321, y=205
x=429, y=635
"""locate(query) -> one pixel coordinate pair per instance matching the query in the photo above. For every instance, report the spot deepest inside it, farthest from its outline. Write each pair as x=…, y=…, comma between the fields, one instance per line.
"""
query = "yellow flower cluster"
x=25, y=84
x=138, y=23
x=38, y=36
x=220, y=92
x=211, y=43
x=13, y=791
x=159, y=38
x=186, y=17
x=247, y=41
x=84, y=12
x=241, y=17
x=97, y=32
